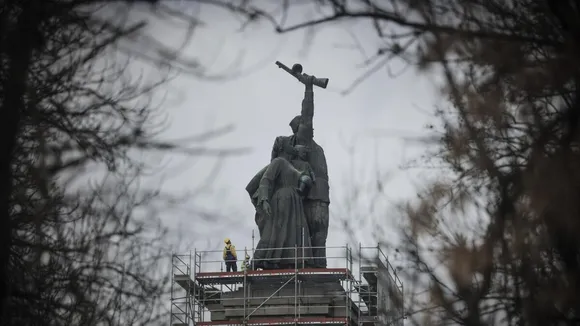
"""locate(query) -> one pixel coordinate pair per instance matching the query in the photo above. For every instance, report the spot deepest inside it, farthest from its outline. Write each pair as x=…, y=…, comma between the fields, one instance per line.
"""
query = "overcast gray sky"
x=260, y=105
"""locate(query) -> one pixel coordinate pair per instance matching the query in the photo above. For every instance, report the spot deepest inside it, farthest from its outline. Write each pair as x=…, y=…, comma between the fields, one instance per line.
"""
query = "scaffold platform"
x=313, y=274
x=202, y=294
x=281, y=321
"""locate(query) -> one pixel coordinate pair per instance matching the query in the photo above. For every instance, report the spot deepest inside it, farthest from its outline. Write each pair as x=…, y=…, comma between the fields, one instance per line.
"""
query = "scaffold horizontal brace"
x=277, y=272
x=278, y=321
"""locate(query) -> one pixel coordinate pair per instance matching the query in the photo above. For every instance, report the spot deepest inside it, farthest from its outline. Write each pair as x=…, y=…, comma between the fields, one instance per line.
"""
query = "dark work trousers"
x=231, y=266
x=317, y=217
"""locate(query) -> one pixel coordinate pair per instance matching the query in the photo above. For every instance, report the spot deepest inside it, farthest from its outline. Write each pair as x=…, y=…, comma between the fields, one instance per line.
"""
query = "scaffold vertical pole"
x=192, y=276
x=360, y=299
x=172, y=281
x=244, y=284
x=253, y=249
x=403, y=302
x=346, y=297
x=295, y=285
x=303, y=248
x=350, y=284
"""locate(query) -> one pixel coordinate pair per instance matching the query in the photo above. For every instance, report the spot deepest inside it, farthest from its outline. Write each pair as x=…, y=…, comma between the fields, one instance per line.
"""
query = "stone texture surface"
x=314, y=300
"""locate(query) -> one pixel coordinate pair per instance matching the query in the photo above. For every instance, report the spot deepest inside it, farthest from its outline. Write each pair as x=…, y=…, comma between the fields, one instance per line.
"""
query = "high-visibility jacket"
x=230, y=253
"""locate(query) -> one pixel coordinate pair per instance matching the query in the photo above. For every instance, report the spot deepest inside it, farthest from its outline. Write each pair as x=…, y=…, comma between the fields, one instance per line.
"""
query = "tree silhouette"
x=81, y=242
x=495, y=239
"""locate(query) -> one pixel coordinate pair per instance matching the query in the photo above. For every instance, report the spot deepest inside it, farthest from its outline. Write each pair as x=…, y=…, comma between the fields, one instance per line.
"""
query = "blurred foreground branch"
x=72, y=110
x=496, y=239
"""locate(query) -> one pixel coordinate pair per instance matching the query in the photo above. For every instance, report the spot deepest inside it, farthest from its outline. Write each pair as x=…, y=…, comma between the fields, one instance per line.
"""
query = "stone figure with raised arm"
x=318, y=199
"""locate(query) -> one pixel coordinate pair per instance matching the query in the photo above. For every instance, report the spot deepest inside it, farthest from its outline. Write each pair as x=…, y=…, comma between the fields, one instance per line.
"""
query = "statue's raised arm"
x=305, y=132
x=303, y=123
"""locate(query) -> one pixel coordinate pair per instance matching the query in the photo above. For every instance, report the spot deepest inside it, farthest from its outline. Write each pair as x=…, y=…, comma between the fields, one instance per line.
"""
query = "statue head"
x=294, y=123
x=302, y=152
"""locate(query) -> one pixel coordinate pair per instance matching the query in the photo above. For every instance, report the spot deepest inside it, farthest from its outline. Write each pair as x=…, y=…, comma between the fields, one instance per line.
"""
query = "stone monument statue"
x=317, y=201
x=297, y=171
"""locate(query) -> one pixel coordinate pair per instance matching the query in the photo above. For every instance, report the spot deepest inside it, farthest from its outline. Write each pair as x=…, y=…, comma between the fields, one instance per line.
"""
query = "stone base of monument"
x=307, y=301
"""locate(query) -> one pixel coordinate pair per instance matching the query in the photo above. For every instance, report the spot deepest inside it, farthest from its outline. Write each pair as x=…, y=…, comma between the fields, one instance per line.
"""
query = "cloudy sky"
x=261, y=103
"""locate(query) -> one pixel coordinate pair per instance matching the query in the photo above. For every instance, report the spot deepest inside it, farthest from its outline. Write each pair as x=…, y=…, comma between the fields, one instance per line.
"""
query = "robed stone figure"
x=278, y=197
x=317, y=201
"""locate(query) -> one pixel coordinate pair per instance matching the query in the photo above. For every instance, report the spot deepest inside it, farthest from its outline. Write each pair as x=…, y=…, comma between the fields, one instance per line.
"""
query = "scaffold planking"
x=281, y=321
x=323, y=274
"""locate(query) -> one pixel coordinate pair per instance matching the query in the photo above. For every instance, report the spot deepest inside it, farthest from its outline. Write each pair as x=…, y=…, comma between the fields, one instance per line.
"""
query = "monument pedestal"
x=301, y=302
x=307, y=296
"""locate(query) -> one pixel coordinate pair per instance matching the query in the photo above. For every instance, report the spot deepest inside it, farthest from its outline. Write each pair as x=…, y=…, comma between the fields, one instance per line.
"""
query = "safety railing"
x=336, y=257
x=292, y=295
x=181, y=264
x=215, y=289
x=375, y=257
x=383, y=300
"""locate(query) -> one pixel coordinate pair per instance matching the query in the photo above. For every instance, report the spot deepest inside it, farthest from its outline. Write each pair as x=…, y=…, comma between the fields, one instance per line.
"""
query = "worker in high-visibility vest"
x=230, y=256
x=246, y=263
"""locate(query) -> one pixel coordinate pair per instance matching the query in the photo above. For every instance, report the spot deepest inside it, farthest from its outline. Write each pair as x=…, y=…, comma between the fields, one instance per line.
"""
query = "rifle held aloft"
x=296, y=71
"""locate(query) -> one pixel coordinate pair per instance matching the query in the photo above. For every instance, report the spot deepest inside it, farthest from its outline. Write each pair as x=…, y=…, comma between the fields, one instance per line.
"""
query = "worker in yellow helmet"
x=246, y=263
x=230, y=256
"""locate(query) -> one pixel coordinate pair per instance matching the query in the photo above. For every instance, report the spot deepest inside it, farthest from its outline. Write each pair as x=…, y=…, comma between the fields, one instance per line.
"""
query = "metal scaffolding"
x=380, y=291
x=202, y=294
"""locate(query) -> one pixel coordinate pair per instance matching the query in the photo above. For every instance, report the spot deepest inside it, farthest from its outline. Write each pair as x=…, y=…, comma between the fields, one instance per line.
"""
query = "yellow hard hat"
x=226, y=240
